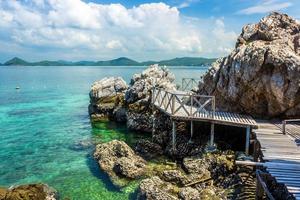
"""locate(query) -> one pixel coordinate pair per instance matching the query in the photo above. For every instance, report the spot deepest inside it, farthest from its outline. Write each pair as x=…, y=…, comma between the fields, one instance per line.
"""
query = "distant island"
x=122, y=61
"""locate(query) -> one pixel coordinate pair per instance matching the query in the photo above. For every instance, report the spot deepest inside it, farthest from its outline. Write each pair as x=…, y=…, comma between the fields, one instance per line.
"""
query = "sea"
x=45, y=131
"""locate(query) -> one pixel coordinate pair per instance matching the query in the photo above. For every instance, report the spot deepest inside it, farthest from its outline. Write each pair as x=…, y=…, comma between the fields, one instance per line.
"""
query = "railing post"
x=212, y=134
x=153, y=93
x=213, y=107
x=173, y=135
x=173, y=104
x=283, y=127
x=191, y=107
x=259, y=189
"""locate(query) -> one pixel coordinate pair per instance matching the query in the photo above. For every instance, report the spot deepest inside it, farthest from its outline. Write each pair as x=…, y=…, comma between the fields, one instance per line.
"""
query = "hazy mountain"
x=185, y=61
x=16, y=61
x=123, y=61
x=118, y=62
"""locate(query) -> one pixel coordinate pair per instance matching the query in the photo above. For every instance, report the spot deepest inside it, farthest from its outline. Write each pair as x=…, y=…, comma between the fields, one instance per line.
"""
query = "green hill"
x=16, y=61
x=118, y=62
x=122, y=61
x=185, y=61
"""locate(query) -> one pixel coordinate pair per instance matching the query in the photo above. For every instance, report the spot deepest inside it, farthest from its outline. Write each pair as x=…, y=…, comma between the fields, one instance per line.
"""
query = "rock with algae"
x=28, y=192
x=119, y=161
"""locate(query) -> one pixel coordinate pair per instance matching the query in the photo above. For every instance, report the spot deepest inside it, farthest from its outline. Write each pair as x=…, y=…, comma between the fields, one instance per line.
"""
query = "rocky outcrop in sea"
x=107, y=99
x=120, y=162
x=261, y=76
x=28, y=192
x=111, y=98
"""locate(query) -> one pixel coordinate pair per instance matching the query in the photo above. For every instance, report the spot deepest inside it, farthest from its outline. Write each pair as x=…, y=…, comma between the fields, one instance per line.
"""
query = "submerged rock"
x=119, y=161
x=28, y=192
x=261, y=75
x=107, y=99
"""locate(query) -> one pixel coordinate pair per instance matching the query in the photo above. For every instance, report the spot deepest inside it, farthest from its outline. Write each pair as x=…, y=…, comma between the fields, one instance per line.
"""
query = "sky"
x=139, y=29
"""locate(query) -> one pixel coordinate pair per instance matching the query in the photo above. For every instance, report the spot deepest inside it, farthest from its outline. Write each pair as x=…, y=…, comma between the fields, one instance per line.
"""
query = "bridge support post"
x=212, y=134
x=153, y=123
x=247, y=140
x=192, y=131
x=173, y=135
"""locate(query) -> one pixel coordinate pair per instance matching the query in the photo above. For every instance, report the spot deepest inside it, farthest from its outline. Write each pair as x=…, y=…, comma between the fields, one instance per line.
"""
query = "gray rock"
x=118, y=160
x=188, y=193
x=107, y=99
x=148, y=149
x=155, y=189
x=261, y=76
x=142, y=84
x=107, y=87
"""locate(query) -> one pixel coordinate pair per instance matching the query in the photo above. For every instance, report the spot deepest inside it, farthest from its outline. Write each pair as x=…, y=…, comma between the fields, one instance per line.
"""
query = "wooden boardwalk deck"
x=183, y=106
x=186, y=106
x=281, y=155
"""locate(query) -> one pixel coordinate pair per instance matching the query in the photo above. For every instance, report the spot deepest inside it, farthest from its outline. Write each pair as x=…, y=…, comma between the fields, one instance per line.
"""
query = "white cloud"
x=187, y=3
x=265, y=7
x=75, y=29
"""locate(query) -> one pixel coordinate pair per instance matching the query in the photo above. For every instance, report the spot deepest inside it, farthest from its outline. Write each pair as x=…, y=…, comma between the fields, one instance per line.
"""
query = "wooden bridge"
x=280, y=142
x=281, y=153
x=180, y=105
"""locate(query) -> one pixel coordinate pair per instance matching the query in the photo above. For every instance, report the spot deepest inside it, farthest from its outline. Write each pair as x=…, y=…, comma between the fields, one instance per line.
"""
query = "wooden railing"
x=189, y=83
x=285, y=122
x=181, y=103
x=261, y=186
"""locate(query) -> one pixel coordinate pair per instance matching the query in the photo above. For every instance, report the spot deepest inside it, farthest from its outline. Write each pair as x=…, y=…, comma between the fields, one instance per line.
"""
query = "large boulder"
x=142, y=84
x=28, y=192
x=138, y=96
x=107, y=99
x=261, y=76
x=119, y=161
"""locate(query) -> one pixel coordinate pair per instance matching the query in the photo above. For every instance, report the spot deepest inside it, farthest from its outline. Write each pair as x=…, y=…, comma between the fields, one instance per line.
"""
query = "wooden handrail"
x=284, y=122
x=189, y=83
x=167, y=100
x=261, y=186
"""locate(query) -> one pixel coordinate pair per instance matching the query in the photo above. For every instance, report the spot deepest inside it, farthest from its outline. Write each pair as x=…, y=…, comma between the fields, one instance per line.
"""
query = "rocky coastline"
x=189, y=172
x=257, y=78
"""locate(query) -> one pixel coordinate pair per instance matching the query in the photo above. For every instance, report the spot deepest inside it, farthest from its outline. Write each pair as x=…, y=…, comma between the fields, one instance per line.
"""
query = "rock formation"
x=112, y=99
x=205, y=177
x=28, y=192
x=261, y=76
x=138, y=96
x=119, y=161
x=107, y=99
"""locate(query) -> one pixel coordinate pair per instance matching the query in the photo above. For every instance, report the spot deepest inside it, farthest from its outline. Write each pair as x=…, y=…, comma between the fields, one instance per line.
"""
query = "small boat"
x=17, y=88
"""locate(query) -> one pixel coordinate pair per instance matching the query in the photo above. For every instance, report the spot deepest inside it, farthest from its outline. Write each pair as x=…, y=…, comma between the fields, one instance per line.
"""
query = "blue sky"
x=139, y=29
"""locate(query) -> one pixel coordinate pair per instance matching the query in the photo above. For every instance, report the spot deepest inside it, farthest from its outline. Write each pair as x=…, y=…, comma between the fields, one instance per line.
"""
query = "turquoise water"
x=45, y=132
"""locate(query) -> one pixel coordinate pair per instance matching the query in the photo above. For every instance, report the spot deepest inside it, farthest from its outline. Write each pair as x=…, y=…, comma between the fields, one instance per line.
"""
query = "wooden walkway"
x=186, y=106
x=281, y=154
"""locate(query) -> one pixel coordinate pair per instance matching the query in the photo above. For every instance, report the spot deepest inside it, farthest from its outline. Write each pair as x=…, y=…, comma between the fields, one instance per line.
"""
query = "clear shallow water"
x=45, y=132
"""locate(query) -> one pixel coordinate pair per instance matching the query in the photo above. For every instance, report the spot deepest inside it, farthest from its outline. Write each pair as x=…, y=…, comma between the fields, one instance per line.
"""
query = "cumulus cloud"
x=75, y=29
x=265, y=7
